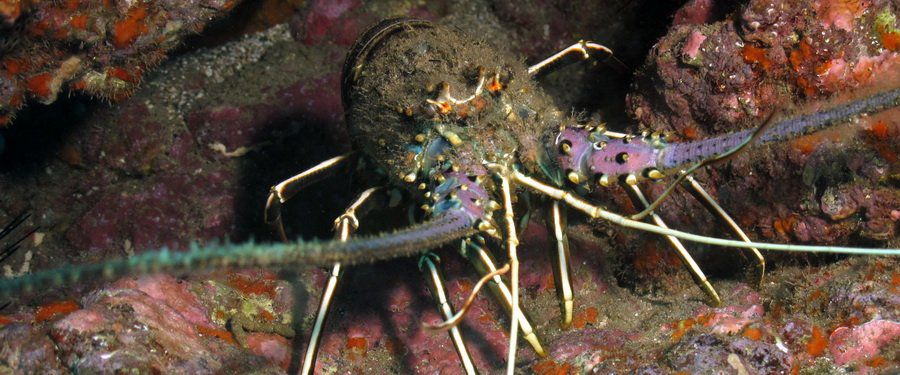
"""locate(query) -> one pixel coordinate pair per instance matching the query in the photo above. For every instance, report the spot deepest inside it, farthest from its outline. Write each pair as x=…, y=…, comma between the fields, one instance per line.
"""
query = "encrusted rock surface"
x=101, y=48
x=190, y=157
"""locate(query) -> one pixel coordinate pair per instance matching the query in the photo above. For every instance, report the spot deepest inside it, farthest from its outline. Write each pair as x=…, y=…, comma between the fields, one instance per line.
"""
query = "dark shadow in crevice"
x=39, y=132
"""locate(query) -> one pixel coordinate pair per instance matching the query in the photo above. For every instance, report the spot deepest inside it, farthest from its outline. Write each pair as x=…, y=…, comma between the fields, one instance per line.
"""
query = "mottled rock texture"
x=191, y=154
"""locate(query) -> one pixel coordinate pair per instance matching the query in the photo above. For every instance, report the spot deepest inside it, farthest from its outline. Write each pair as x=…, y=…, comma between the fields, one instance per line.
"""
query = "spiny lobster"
x=460, y=156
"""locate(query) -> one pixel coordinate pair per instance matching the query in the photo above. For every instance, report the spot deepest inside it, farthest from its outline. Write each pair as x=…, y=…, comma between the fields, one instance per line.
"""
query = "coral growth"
x=101, y=48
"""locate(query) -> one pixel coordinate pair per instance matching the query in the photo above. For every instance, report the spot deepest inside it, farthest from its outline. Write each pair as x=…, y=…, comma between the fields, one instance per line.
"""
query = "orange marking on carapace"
x=16, y=100
x=462, y=110
x=12, y=9
x=495, y=85
x=39, y=28
x=79, y=21
x=444, y=108
x=61, y=33
x=479, y=103
x=13, y=66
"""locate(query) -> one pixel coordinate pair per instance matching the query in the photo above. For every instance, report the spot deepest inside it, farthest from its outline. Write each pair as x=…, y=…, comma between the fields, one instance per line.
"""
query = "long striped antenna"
x=449, y=226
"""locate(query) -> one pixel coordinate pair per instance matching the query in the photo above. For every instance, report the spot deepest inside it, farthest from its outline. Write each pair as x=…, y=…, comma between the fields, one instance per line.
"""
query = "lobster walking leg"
x=512, y=242
x=428, y=264
x=286, y=189
x=484, y=263
x=583, y=49
x=598, y=212
x=562, y=264
x=679, y=247
x=344, y=225
x=717, y=210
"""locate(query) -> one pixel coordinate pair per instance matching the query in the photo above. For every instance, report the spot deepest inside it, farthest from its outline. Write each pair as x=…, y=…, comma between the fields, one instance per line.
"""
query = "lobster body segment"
x=424, y=99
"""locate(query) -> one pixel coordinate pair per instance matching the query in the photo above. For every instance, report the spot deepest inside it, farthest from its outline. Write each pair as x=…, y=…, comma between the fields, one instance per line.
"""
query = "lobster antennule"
x=677, y=155
x=446, y=227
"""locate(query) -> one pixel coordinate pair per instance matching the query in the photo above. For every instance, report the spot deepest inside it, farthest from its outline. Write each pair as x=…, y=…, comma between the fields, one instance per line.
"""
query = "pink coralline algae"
x=863, y=343
x=840, y=14
x=117, y=324
x=325, y=22
x=97, y=47
x=730, y=73
x=693, y=43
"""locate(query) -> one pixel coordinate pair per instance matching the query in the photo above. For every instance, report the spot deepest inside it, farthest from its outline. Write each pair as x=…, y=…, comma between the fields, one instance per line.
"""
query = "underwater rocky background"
x=189, y=154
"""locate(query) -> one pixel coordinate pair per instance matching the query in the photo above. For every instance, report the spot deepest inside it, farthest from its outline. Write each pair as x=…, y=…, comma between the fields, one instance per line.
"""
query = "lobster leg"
x=286, y=189
x=679, y=247
x=512, y=242
x=583, y=49
x=717, y=210
x=598, y=212
x=562, y=264
x=484, y=263
x=428, y=264
x=344, y=225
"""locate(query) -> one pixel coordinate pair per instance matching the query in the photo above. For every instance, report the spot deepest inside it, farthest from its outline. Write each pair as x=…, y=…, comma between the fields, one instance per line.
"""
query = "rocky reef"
x=714, y=73
x=99, y=48
x=189, y=154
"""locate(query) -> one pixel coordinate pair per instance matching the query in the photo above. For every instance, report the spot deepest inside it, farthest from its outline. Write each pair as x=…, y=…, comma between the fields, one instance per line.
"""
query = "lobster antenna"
x=707, y=162
x=768, y=132
x=599, y=213
x=457, y=318
x=439, y=230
